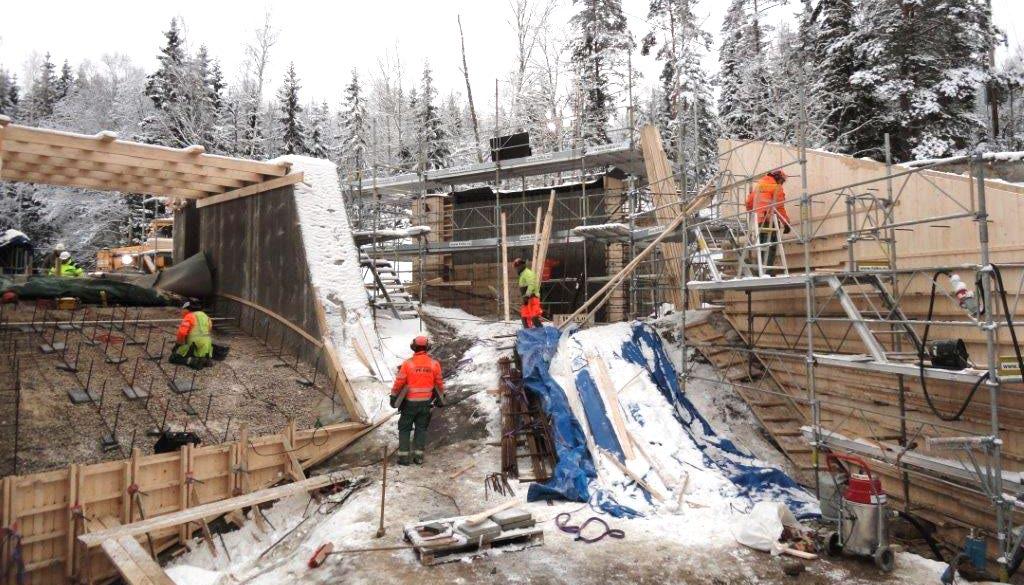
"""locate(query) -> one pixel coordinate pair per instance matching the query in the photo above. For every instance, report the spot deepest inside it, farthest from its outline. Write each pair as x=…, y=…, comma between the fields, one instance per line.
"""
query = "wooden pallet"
x=456, y=547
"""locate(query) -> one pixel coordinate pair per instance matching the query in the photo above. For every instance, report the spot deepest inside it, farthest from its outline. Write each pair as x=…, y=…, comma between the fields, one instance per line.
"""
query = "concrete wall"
x=255, y=250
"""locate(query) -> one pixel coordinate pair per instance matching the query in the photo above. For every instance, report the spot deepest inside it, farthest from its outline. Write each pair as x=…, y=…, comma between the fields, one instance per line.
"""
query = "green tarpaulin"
x=85, y=289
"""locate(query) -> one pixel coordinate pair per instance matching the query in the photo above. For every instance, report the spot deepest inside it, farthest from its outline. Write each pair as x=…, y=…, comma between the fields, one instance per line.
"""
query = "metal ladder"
x=387, y=291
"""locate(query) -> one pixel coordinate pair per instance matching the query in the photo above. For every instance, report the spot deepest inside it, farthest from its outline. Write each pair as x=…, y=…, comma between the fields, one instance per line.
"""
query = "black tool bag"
x=170, y=442
x=220, y=352
x=948, y=354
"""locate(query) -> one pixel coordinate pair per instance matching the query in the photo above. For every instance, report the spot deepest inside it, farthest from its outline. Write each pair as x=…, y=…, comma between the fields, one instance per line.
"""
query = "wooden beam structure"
x=105, y=163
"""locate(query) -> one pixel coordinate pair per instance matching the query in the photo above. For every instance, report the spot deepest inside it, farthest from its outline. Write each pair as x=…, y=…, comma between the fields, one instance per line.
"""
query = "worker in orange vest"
x=768, y=199
x=418, y=387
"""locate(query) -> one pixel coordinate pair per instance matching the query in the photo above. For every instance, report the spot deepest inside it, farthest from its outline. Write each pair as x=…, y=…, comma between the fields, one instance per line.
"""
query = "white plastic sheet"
x=762, y=528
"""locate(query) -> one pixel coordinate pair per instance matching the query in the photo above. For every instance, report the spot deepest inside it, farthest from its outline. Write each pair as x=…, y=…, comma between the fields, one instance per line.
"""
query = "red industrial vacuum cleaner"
x=862, y=526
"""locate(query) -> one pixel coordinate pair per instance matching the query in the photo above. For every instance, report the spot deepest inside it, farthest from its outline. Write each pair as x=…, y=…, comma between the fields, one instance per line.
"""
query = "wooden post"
x=545, y=239
x=536, y=233
x=504, y=263
x=186, y=467
x=72, y=547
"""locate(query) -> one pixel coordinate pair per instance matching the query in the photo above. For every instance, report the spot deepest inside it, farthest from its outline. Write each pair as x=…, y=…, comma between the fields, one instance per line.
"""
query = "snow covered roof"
x=101, y=161
x=14, y=238
x=620, y=155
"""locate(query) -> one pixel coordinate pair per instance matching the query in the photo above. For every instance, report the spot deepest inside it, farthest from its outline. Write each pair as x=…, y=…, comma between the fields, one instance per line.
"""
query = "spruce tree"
x=43, y=94
x=599, y=48
x=830, y=29
x=432, y=133
x=747, y=108
x=65, y=83
x=923, y=63
x=686, y=111
x=10, y=95
x=319, y=132
x=293, y=131
x=162, y=86
x=353, y=127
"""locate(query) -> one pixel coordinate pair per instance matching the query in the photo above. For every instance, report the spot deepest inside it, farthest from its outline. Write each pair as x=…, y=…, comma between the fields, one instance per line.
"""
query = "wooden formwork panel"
x=38, y=508
x=43, y=507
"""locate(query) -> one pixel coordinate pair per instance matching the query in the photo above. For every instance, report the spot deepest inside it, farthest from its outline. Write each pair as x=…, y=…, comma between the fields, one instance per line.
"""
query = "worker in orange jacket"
x=768, y=200
x=418, y=387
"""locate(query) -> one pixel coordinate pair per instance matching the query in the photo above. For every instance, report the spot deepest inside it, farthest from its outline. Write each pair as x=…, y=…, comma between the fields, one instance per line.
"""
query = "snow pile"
x=679, y=453
x=333, y=261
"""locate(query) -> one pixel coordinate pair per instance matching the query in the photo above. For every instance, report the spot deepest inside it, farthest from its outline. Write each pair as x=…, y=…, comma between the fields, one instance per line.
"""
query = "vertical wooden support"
x=183, y=492
x=133, y=478
x=71, y=556
x=294, y=467
x=536, y=234
x=504, y=263
x=545, y=239
x=243, y=460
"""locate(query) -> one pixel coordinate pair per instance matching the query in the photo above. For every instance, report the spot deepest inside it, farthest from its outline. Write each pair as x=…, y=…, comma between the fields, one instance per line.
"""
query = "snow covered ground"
x=692, y=543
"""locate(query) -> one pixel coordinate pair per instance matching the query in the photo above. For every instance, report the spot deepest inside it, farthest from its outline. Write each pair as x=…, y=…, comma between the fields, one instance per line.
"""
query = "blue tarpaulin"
x=753, y=480
x=574, y=469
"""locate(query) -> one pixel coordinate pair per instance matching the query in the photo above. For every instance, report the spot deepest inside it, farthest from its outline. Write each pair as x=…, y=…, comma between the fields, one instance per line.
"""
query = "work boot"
x=403, y=459
x=417, y=457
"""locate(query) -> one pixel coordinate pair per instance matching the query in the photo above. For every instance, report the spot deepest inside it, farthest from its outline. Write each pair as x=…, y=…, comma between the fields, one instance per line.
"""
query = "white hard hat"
x=65, y=255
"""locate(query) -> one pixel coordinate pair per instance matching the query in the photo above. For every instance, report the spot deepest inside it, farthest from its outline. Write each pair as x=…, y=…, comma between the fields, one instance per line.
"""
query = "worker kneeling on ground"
x=529, y=286
x=417, y=388
x=67, y=266
x=768, y=201
x=194, y=346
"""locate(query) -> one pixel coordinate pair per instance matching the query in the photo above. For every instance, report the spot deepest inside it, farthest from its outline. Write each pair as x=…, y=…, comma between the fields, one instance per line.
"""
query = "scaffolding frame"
x=870, y=218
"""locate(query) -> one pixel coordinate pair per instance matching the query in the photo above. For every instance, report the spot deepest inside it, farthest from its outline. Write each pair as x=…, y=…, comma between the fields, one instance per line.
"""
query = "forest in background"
x=922, y=71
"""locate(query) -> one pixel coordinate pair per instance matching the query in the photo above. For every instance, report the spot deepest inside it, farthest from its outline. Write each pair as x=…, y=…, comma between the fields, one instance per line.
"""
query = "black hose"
x=932, y=543
x=920, y=363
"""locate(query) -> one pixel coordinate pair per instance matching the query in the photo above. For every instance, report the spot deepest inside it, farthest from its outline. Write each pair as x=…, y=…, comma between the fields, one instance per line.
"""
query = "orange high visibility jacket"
x=422, y=374
x=767, y=196
x=188, y=322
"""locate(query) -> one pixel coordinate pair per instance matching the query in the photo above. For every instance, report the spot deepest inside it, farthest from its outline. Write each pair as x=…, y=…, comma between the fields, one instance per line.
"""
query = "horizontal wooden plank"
x=206, y=510
x=251, y=190
x=134, y=563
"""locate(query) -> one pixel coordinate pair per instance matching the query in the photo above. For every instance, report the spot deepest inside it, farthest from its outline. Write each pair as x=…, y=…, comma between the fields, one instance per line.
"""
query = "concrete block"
x=511, y=516
x=487, y=530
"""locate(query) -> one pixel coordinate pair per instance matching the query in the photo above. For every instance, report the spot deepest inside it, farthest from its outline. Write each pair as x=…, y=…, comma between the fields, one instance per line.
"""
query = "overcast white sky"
x=325, y=39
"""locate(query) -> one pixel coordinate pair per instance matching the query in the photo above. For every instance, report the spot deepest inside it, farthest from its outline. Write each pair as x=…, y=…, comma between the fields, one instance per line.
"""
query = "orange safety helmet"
x=420, y=343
